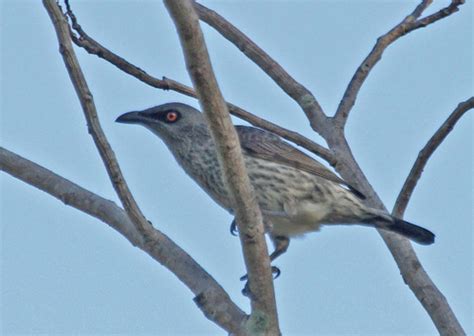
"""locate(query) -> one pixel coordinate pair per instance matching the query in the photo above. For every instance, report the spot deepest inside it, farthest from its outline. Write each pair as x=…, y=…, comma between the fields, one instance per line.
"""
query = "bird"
x=296, y=193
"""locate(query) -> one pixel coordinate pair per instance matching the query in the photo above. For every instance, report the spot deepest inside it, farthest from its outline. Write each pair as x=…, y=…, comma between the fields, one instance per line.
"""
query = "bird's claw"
x=246, y=290
x=275, y=271
x=233, y=228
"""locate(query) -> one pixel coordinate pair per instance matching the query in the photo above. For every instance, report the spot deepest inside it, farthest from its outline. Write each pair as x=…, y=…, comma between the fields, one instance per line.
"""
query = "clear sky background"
x=65, y=272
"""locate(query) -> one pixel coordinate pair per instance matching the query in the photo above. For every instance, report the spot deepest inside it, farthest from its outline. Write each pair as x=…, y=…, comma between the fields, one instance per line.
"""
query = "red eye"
x=171, y=117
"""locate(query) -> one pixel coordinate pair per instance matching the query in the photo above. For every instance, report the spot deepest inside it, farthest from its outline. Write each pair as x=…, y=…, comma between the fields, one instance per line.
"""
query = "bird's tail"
x=411, y=231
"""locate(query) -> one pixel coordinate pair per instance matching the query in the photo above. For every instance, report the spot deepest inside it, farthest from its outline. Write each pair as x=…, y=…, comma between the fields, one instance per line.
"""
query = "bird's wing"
x=268, y=146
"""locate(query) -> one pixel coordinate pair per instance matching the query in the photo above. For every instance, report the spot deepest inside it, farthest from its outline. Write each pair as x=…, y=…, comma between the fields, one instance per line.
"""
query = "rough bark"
x=263, y=318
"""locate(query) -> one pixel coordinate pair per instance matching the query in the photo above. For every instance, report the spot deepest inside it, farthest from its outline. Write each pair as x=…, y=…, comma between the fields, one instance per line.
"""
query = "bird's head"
x=171, y=122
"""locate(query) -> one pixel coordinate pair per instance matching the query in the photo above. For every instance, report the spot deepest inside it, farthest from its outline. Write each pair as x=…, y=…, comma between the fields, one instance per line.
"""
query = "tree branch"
x=424, y=155
x=211, y=298
x=264, y=318
x=95, y=130
x=408, y=24
x=283, y=79
x=441, y=14
x=411, y=269
x=332, y=131
x=401, y=249
x=420, y=283
x=95, y=48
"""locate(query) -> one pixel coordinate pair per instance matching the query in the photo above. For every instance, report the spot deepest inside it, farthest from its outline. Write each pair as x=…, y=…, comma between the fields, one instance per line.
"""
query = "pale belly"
x=305, y=217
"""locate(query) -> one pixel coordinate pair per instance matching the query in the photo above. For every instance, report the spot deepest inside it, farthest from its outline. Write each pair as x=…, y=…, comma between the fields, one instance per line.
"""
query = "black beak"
x=132, y=118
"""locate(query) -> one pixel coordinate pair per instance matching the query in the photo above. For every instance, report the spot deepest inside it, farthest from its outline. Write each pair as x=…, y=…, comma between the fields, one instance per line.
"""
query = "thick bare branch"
x=425, y=154
x=282, y=78
x=95, y=130
x=408, y=24
x=95, y=48
x=210, y=296
x=264, y=318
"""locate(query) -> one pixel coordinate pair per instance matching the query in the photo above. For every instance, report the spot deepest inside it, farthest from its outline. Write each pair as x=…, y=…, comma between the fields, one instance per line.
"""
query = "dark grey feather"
x=270, y=147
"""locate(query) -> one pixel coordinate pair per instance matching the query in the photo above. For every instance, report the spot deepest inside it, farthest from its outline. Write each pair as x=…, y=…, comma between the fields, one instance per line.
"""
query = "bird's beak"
x=133, y=118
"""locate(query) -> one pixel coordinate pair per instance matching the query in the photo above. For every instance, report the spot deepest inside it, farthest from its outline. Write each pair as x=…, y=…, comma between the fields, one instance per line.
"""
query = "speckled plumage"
x=296, y=193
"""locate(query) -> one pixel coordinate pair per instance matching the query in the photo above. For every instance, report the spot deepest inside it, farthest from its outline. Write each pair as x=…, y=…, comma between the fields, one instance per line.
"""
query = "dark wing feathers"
x=268, y=146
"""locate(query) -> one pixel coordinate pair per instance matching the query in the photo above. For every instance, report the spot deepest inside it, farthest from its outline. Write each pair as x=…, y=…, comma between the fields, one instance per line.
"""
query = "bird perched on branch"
x=296, y=193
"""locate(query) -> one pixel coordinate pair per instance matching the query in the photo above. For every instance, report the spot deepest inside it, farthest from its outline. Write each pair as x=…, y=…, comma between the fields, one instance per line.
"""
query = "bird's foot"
x=275, y=271
x=246, y=290
x=233, y=228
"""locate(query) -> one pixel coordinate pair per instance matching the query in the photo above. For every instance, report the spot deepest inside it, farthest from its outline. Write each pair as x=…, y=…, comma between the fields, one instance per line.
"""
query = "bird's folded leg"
x=281, y=244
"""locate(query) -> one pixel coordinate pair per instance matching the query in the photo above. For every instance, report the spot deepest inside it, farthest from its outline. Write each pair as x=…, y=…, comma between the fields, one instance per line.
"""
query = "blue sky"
x=65, y=272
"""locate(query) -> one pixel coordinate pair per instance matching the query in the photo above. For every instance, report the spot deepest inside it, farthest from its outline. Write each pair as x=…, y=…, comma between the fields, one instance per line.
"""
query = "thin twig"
x=441, y=14
x=95, y=130
x=211, y=298
x=413, y=273
x=281, y=77
x=263, y=318
x=95, y=48
x=424, y=155
x=409, y=23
